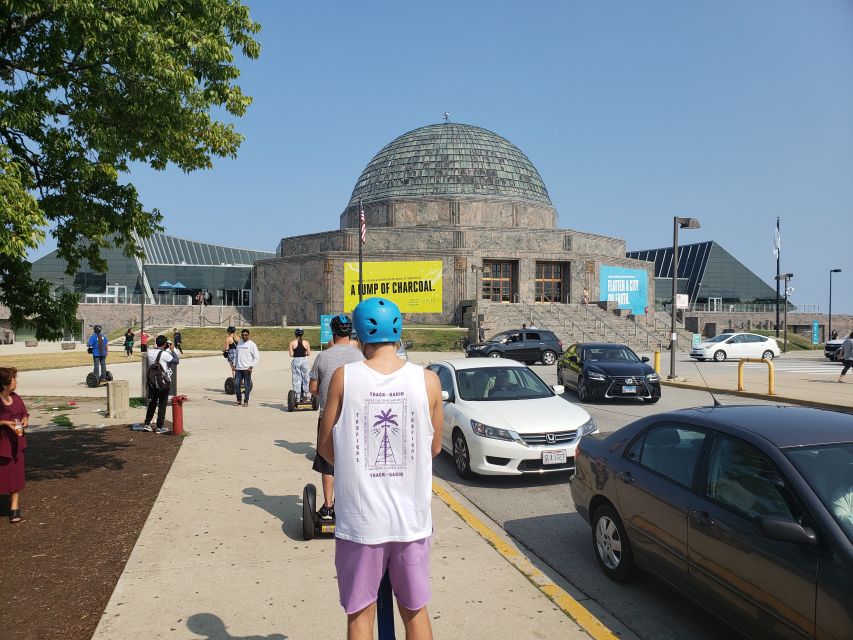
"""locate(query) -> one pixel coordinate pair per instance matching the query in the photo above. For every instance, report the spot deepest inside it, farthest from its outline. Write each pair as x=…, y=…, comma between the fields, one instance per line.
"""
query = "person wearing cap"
x=381, y=427
x=246, y=359
x=299, y=350
x=339, y=353
x=98, y=347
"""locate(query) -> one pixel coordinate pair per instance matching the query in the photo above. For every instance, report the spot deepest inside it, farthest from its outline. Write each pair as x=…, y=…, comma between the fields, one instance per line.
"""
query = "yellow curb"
x=759, y=396
x=567, y=604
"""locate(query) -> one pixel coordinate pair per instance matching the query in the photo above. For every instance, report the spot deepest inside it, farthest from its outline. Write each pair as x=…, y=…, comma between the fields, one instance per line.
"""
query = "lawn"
x=64, y=359
x=796, y=342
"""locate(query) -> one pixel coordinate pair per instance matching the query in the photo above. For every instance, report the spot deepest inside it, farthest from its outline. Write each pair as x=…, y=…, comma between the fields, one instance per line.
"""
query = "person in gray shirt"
x=847, y=356
x=326, y=363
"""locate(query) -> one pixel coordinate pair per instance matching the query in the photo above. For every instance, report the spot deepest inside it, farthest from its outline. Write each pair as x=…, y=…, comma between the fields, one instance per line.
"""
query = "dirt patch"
x=87, y=496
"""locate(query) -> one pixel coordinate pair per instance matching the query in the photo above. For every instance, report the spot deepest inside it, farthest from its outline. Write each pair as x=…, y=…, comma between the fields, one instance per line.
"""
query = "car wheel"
x=461, y=456
x=496, y=354
x=582, y=391
x=611, y=544
x=549, y=357
x=719, y=356
x=767, y=355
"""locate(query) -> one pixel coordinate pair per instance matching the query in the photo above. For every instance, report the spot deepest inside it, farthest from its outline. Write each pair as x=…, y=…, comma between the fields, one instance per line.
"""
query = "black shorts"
x=320, y=464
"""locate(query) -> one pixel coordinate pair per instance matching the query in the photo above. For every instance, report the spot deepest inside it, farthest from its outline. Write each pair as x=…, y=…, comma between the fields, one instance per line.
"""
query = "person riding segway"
x=98, y=346
x=299, y=396
x=230, y=354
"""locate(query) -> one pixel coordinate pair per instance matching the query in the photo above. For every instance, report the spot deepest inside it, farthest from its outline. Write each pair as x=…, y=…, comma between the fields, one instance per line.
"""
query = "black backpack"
x=156, y=377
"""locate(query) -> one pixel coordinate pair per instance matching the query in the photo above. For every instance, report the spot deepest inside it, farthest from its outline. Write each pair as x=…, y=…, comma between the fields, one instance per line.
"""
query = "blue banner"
x=627, y=287
x=325, y=329
x=815, y=337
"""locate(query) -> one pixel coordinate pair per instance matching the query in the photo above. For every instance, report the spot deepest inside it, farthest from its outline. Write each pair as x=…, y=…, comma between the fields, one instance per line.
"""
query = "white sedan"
x=736, y=345
x=500, y=418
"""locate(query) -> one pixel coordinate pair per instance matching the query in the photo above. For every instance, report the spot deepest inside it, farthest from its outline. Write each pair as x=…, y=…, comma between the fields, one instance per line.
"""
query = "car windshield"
x=720, y=338
x=501, y=383
x=615, y=353
x=501, y=337
x=829, y=471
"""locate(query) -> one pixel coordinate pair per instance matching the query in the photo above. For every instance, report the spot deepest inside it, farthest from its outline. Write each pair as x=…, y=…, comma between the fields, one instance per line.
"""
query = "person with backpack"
x=159, y=378
x=98, y=347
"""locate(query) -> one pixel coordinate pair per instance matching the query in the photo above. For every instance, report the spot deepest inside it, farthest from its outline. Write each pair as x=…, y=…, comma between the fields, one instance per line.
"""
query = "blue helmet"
x=377, y=320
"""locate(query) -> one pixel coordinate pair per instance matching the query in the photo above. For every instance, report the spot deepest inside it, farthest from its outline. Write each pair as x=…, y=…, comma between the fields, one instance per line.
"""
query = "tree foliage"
x=87, y=87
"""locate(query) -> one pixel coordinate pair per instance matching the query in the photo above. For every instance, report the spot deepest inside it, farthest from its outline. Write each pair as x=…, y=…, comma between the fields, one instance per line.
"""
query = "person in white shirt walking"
x=381, y=427
x=247, y=359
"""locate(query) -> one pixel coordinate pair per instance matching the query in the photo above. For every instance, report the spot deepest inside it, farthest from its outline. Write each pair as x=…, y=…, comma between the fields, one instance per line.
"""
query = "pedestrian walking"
x=14, y=419
x=160, y=359
x=299, y=350
x=341, y=352
x=98, y=346
x=128, y=342
x=381, y=428
x=247, y=358
x=177, y=338
x=846, y=356
x=143, y=341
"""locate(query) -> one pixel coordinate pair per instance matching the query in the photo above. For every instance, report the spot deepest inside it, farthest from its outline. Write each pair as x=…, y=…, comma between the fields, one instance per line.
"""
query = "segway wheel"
x=309, y=511
x=91, y=380
x=108, y=375
x=229, y=386
x=291, y=401
x=315, y=403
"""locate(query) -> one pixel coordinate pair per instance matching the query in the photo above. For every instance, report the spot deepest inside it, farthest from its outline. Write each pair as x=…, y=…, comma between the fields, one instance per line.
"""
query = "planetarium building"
x=459, y=205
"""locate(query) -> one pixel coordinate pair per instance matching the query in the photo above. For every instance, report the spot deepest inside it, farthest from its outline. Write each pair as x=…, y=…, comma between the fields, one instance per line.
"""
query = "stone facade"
x=711, y=324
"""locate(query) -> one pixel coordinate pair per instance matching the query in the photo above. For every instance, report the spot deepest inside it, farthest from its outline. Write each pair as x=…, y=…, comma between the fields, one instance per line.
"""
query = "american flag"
x=363, y=224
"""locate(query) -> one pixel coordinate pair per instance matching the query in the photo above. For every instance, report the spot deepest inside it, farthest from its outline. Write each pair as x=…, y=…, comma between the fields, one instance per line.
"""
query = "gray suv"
x=526, y=345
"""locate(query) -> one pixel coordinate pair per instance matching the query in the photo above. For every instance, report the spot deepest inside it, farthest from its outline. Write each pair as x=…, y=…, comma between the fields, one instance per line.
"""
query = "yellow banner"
x=414, y=286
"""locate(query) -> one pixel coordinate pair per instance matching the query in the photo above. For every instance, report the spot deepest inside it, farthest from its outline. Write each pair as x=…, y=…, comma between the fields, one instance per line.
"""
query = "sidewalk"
x=221, y=555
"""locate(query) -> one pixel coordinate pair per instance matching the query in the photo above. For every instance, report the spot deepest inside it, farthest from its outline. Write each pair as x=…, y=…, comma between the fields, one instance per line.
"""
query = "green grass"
x=278, y=338
x=62, y=420
x=796, y=342
x=135, y=403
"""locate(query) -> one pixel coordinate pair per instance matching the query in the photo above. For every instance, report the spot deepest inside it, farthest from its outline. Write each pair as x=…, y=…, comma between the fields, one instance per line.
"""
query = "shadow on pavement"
x=70, y=454
x=288, y=509
x=300, y=448
x=274, y=405
x=213, y=628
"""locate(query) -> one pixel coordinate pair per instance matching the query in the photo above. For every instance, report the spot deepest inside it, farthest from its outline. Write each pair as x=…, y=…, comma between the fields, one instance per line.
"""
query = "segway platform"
x=312, y=525
x=294, y=403
x=92, y=380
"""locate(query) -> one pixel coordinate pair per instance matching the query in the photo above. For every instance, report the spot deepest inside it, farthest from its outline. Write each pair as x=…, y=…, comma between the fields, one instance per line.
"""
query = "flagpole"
x=361, y=223
x=778, y=245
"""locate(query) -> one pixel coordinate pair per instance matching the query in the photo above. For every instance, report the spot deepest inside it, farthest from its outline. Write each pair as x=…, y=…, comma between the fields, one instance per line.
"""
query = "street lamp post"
x=784, y=277
x=682, y=223
x=829, y=330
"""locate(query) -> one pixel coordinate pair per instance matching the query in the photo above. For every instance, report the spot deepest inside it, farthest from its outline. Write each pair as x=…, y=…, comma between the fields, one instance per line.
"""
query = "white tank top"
x=383, y=456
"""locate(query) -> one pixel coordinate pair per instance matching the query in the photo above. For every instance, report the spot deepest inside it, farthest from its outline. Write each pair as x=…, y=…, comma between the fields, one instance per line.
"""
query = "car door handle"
x=627, y=478
x=702, y=518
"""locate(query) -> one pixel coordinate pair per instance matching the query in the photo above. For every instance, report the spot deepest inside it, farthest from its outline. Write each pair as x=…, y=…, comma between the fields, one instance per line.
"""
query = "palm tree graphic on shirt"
x=384, y=424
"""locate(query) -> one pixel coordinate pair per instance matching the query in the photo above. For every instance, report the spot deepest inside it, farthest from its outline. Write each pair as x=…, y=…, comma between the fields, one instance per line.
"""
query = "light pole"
x=683, y=223
x=784, y=277
x=829, y=331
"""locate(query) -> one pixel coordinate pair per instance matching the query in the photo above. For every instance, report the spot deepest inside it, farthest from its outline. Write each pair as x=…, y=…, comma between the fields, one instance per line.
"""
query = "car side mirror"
x=785, y=530
x=573, y=359
x=645, y=358
x=559, y=389
x=445, y=396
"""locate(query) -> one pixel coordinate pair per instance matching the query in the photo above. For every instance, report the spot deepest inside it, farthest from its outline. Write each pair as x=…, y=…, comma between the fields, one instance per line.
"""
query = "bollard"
x=657, y=362
x=771, y=391
x=178, y=414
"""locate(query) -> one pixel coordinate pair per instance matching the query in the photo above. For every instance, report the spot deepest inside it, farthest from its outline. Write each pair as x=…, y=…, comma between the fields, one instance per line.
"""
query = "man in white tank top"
x=381, y=427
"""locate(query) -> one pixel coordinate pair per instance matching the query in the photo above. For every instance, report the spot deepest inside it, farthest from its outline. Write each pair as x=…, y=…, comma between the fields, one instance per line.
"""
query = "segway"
x=311, y=524
x=230, y=388
x=92, y=380
x=294, y=403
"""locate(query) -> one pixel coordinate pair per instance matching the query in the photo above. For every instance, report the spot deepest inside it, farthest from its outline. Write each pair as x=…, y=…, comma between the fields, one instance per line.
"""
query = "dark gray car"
x=748, y=510
x=526, y=345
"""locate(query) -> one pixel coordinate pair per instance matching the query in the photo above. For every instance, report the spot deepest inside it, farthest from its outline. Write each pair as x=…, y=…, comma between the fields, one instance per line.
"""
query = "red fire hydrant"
x=178, y=414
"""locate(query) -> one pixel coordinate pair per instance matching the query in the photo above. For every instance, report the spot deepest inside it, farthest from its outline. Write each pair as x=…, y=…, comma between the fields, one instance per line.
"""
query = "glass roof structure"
x=706, y=270
x=450, y=159
x=161, y=249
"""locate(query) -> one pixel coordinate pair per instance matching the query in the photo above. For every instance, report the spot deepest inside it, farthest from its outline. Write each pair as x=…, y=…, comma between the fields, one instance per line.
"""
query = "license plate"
x=554, y=456
x=629, y=388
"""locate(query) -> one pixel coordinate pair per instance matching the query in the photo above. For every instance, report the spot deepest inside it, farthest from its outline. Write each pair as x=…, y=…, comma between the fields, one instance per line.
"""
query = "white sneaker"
x=163, y=430
x=146, y=427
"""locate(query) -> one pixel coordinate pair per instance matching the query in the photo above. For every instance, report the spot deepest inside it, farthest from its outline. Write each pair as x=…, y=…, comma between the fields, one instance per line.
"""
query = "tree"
x=87, y=87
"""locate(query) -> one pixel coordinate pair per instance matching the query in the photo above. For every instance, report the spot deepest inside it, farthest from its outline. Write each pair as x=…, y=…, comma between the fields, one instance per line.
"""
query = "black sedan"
x=748, y=510
x=597, y=370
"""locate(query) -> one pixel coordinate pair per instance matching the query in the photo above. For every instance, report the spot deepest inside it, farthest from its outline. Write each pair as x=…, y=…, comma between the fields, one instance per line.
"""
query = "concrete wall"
x=800, y=323
x=118, y=316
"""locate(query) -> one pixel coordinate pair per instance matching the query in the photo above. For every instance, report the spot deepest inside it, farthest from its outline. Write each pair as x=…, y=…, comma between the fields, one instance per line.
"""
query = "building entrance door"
x=715, y=304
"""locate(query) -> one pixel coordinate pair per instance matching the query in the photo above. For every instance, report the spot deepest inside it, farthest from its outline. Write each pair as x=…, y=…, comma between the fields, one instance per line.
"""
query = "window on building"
x=548, y=282
x=498, y=281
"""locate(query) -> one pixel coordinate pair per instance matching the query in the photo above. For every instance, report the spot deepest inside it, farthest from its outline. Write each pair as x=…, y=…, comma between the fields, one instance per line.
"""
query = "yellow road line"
x=567, y=604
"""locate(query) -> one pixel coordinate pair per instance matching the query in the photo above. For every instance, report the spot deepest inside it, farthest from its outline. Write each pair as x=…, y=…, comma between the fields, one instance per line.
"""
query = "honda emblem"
x=550, y=438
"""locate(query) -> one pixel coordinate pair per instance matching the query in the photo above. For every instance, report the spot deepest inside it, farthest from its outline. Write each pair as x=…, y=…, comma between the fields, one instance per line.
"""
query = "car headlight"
x=592, y=375
x=587, y=427
x=653, y=377
x=486, y=431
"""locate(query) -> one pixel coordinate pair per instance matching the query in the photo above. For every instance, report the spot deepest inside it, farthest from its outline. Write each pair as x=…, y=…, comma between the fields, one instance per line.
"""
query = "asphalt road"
x=539, y=513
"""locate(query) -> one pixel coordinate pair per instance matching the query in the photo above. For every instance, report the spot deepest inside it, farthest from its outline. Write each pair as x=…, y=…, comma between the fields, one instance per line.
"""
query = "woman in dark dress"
x=13, y=420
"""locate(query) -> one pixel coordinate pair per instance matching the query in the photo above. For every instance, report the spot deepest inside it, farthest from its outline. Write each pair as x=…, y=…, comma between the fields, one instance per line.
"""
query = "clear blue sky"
x=733, y=112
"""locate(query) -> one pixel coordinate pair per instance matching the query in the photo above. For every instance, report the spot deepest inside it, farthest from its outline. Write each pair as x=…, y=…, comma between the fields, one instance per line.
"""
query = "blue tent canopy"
x=179, y=285
x=165, y=285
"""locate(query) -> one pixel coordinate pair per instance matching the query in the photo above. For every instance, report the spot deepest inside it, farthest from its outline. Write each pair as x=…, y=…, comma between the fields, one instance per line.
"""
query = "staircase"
x=573, y=322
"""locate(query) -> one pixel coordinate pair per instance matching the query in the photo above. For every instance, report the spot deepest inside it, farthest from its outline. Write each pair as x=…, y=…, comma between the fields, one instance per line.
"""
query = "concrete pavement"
x=221, y=554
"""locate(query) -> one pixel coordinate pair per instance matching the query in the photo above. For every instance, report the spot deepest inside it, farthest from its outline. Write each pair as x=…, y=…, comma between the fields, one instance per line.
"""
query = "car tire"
x=582, y=390
x=461, y=455
x=496, y=354
x=549, y=358
x=719, y=355
x=767, y=355
x=611, y=545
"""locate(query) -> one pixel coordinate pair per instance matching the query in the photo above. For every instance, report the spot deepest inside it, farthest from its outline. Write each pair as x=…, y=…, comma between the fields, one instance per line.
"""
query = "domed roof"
x=450, y=159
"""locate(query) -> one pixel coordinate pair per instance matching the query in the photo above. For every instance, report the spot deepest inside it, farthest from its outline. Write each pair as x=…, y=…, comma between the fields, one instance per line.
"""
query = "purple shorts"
x=361, y=567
